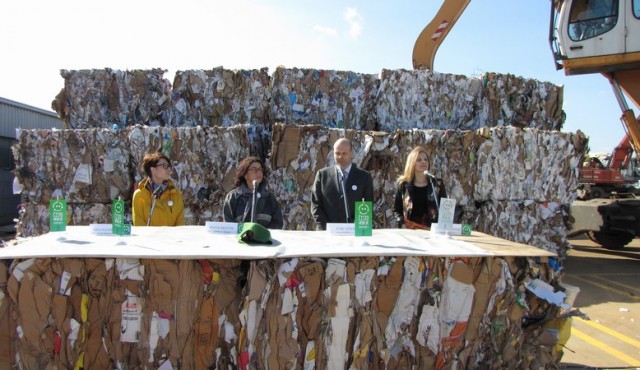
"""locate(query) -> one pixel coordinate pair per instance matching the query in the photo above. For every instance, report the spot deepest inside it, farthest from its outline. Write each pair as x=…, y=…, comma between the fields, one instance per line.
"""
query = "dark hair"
x=243, y=167
x=151, y=160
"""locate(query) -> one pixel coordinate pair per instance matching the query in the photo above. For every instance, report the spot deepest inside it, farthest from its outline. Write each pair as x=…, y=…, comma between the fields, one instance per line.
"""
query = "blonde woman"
x=416, y=204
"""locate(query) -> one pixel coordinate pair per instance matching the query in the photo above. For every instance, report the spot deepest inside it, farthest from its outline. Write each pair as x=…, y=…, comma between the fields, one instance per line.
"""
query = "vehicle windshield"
x=590, y=18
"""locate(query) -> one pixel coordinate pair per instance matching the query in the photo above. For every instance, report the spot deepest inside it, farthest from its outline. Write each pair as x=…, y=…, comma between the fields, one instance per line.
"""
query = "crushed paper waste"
x=220, y=97
x=387, y=312
x=498, y=176
x=107, y=97
x=493, y=138
x=388, y=101
x=84, y=165
x=341, y=99
x=424, y=99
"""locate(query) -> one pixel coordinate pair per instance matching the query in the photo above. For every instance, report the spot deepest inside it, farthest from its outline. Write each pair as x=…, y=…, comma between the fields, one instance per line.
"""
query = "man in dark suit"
x=327, y=202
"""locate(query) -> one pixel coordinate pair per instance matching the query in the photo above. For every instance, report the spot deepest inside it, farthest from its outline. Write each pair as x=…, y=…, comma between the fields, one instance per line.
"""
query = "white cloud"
x=355, y=21
x=328, y=31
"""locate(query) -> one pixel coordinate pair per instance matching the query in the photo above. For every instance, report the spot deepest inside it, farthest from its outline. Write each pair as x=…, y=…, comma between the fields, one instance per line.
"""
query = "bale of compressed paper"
x=340, y=99
x=426, y=99
x=80, y=166
x=220, y=97
x=539, y=224
x=327, y=313
x=397, y=99
x=106, y=97
x=522, y=102
x=498, y=165
x=517, y=164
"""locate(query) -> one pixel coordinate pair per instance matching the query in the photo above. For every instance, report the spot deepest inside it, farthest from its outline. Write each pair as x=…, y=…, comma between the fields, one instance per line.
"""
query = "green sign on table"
x=118, y=226
x=364, y=219
x=57, y=215
x=465, y=229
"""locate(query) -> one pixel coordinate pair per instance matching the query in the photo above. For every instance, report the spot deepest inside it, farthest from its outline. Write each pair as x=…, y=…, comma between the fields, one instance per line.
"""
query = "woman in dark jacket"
x=416, y=205
x=239, y=201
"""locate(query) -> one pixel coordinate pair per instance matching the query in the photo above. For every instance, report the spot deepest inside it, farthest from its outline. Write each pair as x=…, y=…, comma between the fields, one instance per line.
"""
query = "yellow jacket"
x=168, y=211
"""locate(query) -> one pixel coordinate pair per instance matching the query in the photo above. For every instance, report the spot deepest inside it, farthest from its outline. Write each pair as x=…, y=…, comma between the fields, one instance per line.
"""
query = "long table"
x=194, y=242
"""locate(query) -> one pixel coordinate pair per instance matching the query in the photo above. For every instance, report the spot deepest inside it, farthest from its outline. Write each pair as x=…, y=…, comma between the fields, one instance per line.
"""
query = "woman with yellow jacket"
x=156, y=201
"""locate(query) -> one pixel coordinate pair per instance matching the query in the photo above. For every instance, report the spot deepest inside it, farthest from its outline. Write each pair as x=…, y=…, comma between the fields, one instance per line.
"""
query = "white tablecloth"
x=194, y=242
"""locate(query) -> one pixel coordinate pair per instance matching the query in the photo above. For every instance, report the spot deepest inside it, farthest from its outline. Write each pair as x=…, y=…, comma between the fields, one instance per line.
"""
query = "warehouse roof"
x=18, y=115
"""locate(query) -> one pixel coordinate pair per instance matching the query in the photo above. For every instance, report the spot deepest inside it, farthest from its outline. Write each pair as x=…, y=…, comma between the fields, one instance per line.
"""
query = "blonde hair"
x=410, y=166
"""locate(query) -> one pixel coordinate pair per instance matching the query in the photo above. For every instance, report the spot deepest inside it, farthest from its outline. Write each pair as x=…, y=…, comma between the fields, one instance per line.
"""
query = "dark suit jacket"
x=326, y=196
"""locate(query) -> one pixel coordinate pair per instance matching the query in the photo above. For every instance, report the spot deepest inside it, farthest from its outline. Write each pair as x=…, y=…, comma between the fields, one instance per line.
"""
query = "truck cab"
x=597, y=36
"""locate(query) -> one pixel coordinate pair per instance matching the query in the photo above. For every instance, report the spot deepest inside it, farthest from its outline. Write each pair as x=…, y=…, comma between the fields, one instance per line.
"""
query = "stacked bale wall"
x=505, y=187
x=491, y=138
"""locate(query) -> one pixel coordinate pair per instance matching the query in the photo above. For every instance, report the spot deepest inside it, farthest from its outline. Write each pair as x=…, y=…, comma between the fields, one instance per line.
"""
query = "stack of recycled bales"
x=90, y=168
x=513, y=183
x=491, y=138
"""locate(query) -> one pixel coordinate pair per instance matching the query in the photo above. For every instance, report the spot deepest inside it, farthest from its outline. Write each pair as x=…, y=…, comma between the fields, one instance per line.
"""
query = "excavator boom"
x=429, y=40
x=628, y=81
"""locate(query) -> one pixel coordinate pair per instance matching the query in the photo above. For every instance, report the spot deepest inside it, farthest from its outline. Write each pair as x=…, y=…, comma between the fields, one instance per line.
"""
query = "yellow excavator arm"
x=424, y=51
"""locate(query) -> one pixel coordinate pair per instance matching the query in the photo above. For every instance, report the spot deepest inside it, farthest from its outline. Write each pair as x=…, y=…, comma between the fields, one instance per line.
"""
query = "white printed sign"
x=341, y=229
x=83, y=174
x=222, y=227
x=64, y=282
x=131, y=320
x=101, y=229
x=454, y=229
x=298, y=108
x=445, y=214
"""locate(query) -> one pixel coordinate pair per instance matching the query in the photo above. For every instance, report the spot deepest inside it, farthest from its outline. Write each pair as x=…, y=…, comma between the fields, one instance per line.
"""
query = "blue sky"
x=505, y=36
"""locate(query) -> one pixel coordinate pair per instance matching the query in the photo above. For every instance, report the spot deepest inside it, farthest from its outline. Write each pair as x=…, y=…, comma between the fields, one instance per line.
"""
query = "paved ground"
x=609, y=283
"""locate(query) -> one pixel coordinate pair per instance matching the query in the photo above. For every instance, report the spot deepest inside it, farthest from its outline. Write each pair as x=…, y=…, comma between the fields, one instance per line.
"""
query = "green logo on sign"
x=119, y=207
x=363, y=209
x=466, y=229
